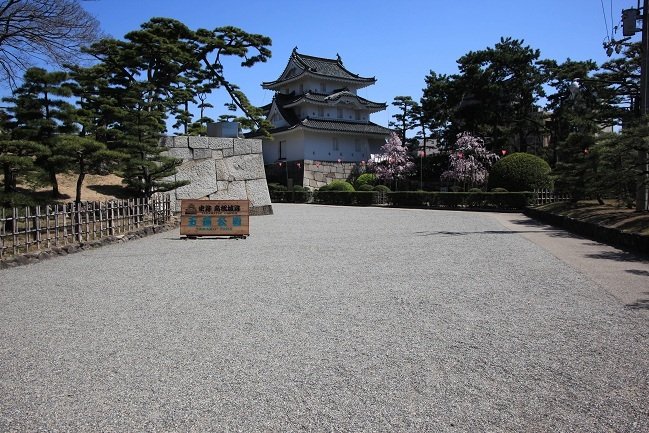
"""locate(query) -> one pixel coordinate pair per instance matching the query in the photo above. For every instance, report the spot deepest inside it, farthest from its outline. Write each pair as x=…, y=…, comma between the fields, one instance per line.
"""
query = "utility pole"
x=629, y=19
x=642, y=199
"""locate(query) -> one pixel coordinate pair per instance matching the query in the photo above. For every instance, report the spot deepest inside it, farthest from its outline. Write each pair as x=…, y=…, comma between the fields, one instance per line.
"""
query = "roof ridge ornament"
x=339, y=59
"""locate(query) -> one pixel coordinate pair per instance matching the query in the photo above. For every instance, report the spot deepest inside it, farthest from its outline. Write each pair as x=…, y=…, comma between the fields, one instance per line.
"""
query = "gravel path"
x=325, y=319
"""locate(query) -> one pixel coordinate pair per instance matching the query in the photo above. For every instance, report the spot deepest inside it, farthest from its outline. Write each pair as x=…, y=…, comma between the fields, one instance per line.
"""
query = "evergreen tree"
x=41, y=114
x=494, y=95
x=16, y=156
x=155, y=72
x=403, y=119
x=85, y=155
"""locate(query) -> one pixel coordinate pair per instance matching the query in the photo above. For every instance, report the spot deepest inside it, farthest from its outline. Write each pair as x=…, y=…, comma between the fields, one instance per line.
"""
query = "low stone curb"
x=607, y=235
x=64, y=250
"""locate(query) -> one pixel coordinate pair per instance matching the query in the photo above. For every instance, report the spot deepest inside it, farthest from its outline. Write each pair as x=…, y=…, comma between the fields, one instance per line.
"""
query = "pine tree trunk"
x=80, y=179
x=9, y=179
x=55, y=184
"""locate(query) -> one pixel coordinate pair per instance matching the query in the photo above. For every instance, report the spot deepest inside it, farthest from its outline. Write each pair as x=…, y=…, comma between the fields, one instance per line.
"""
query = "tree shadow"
x=638, y=272
x=640, y=304
x=117, y=191
x=465, y=233
x=543, y=228
x=618, y=256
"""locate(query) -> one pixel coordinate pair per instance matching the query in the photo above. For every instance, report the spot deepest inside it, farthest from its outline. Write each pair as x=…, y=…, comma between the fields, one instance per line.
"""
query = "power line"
x=605, y=21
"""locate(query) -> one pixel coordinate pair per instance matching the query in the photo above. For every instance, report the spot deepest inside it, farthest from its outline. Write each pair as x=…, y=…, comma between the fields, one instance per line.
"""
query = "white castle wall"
x=220, y=169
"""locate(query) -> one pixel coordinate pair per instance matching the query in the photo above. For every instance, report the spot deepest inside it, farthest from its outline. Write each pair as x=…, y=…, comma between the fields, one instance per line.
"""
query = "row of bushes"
x=357, y=198
x=495, y=200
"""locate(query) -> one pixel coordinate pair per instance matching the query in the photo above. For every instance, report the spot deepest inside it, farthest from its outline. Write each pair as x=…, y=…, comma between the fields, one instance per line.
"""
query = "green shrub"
x=303, y=196
x=365, y=179
x=340, y=185
x=365, y=187
x=520, y=172
x=499, y=190
x=359, y=198
x=497, y=200
x=276, y=187
x=382, y=188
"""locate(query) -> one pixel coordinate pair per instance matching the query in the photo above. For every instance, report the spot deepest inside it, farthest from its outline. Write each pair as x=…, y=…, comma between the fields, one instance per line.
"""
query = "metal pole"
x=642, y=196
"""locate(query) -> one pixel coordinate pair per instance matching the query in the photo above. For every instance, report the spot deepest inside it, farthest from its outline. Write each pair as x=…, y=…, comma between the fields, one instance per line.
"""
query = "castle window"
x=340, y=113
x=357, y=145
x=321, y=111
x=335, y=144
x=358, y=115
x=323, y=87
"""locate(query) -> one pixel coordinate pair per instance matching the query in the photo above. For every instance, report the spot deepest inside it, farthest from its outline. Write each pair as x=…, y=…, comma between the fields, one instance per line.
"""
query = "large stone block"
x=235, y=190
x=255, y=146
x=179, y=141
x=241, y=146
x=181, y=152
x=202, y=153
x=198, y=142
x=202, y=177
x=166, y=141
x=219, y=143
x=245, y=167
x=257, y=191
x=221, y=168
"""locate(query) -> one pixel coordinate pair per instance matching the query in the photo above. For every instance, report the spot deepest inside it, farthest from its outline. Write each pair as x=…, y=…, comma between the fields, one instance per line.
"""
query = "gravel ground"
x=324, y=319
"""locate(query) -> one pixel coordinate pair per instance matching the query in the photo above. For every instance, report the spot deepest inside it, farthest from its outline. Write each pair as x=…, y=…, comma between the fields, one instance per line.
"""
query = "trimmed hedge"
x=484, y=200
x=338, y=185
x=520, y=172
x=358, y=198
x=277, y=196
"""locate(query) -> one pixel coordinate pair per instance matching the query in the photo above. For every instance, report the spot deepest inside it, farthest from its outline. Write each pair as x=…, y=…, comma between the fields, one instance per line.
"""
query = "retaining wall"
x=220, y=169
x=320, y=173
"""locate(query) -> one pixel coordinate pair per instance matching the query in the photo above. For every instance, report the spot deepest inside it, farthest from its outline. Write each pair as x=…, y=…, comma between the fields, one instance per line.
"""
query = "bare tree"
x=42, y=31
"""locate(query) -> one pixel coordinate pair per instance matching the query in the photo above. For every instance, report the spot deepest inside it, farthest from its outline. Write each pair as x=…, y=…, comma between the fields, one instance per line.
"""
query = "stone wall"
x=220, y=169
x=320, y=173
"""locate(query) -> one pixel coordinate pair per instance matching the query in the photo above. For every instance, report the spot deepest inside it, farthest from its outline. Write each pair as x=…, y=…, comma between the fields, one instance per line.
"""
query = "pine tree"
x=41, y=114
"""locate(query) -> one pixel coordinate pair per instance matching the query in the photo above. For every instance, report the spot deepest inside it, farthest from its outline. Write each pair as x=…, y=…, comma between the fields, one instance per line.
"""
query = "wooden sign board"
x=214, y=218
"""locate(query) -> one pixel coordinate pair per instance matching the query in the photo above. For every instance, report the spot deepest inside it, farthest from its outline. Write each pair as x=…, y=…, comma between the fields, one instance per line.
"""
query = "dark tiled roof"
x=339, y=126
x=319, y=66
x=331, y=126
x=320, y=98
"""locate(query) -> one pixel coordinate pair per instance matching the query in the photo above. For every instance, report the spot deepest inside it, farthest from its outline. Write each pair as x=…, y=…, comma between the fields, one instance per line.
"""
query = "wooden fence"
x=34, y=228
x=543, y=196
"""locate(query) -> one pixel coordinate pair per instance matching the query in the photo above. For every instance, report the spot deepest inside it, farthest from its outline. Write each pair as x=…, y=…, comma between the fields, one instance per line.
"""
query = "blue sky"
x=397, y=42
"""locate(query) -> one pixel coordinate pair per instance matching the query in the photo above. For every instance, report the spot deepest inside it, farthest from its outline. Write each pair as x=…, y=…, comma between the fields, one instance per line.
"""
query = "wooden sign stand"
x=220, y=218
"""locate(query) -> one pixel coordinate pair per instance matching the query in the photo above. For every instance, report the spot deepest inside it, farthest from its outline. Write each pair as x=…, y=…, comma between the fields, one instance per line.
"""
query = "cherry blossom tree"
x=393, y=162
x=470, y=162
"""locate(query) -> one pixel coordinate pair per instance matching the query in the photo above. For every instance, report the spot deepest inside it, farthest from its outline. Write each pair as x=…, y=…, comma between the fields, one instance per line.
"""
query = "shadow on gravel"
x=543, y=228
x=447, y=233
x=640, y=304
x=618, y=256
x=638, y=272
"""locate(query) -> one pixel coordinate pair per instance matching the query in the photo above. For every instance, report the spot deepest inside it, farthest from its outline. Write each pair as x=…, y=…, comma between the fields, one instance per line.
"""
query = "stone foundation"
x=220, y=169
x=320, y=173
